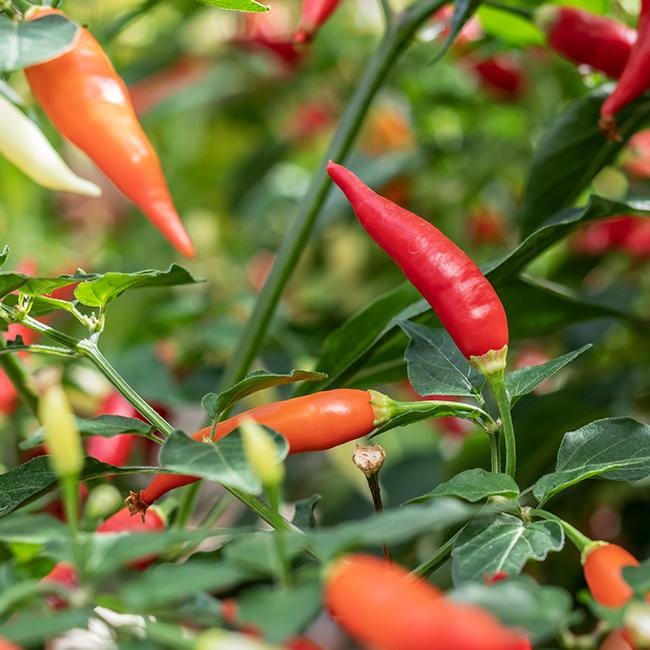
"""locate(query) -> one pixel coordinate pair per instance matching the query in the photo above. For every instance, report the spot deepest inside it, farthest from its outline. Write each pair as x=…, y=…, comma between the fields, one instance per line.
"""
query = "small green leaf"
x=101, y=291
x=520, y=602
x=435, y=364
x=510, y=28
x=303, y=516
x=474, y=485
x=171, y=583
x=237, y=5
x=31, y=529
x=224, y=462
x=617, y=449
x=106, y=426
x=30, y=629
x=25, y=43
x=216, y=403
x=281, y=612
x=525, y=380
x=502, y=543
x=258, y=551
x=638, y=577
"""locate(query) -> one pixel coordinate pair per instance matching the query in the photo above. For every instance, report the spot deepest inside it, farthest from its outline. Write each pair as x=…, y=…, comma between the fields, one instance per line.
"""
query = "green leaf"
x=171, y=583
x=237, y=5
x=303, y=516
x=4, y=253
x=216, y=403
x=224, y=462
x=281, y=612
x=390, y=527
x=502, y=543
x=520, y=602
x=617, y=449
x=39, y=286
x=474, y=485
x=638, y=577
x=258, y=551
x=31, y=529
x=525, y=380
x=106, y=426
x=435, y=365
x=34, y=628
x=571, y=153
x=34, y=478
x=510, y=28
x=25, y=43
x=99, y=292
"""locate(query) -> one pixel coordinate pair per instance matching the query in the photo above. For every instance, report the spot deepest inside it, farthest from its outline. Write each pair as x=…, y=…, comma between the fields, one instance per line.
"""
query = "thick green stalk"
x=497, y=382
x=495, y=452
x=395, y=40
x=186, y=506
x=18, y=377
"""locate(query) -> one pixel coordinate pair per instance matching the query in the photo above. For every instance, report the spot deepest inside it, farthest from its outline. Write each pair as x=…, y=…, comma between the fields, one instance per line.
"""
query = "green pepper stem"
x=392, y=45
x=497, y=383
x=438, y=558
x=495, y=452
x=580, y=541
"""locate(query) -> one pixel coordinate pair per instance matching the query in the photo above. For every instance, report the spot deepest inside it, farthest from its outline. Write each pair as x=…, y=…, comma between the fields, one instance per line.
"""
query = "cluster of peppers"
x=377, y=602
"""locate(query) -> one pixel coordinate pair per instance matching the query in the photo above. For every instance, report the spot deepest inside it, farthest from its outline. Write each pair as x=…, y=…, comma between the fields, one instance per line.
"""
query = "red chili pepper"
x=122, y=521
x=315, y=14
x=637, y=160
x=587, y=39
x=635, y=78
x=382, y=606
x=500, y=75
x=89, y=103
x=449, y=280
x=615, y=641
x=8, y=395
x=487, y=228
x=5, y=644
x=299, y=643
x=602, y=568
x=117, y=449
x=625, y=233
x=309, y=423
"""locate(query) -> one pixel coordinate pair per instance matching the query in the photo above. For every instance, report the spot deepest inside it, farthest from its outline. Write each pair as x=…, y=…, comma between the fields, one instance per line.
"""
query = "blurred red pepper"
x=315, y=13
x=487, y=228
x=89, y=103
x=625, y=233
x=615, y=641
x=470, y=33
x=501, y=75
x=637, y=159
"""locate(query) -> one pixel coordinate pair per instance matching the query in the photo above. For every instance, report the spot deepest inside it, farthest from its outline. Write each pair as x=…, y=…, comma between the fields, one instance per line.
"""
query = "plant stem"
x=375, y=491
x=186, y=505
x=70, y=487
x=527, y=14
x=263, y=510
x=497, y=383
x=395, y=40
x=495, y=452
x=275, y=499
x=18, y=376
x=438, y=559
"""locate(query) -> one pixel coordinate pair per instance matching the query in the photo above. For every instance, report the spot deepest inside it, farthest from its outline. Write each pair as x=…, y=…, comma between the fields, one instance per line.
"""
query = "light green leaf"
x=237, y=5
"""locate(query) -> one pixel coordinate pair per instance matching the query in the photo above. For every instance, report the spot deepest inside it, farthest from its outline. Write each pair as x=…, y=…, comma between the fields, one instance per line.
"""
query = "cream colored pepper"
x=23, y=144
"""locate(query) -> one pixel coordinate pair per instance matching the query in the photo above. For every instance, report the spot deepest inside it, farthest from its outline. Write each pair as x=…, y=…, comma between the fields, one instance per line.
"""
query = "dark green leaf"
x=216, y=403
x=171, y=583
x=303, y=516
x=571, y=153
x=391, y=527
x=281, y=612
x=520, y=602
x=99, y=292
x=224, y=462
x=31, y=629
x=435, y=365
x=102, y=425
x=525, y=380
x=25, y=43
x=474, y=485
x=237, y=5
x=617, y=449
x=502, y=543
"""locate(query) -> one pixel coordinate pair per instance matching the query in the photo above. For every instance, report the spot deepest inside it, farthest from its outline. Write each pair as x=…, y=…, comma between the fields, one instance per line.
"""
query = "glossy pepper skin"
x=89, y=104
x=635, y=78
x=602, y=567
x=309, y=423
x=464, y=300
x=382, y=606
x=23, y=144
x=122, y=521
x=315, y=14
x=588, y=39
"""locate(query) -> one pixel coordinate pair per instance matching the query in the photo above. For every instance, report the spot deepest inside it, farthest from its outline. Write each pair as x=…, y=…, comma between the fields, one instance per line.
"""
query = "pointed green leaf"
x=474, y=485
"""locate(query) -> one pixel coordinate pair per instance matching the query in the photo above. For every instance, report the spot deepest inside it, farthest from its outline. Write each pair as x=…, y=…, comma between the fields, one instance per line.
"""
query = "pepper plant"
x=238, y=451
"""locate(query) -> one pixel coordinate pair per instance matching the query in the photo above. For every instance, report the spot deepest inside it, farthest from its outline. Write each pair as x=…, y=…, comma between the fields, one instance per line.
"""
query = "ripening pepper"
x=314, y=15
x=501, y=75
x=635, y=78
x=602, y=564
x=384, y=607
x=122, y=521
x=615, y=641
x=88, y=102
x=463, y=299
x=587, y=39
x=23, y=144
x=309, y=423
